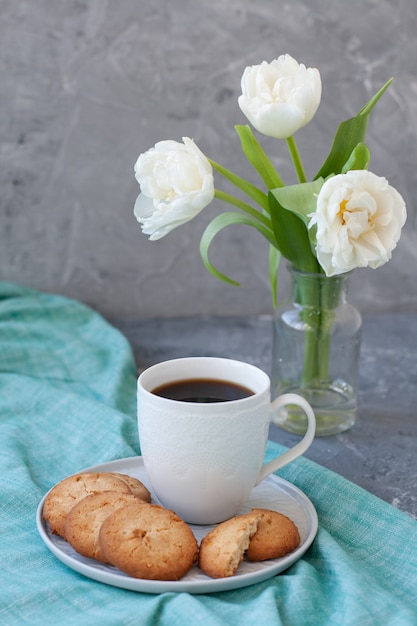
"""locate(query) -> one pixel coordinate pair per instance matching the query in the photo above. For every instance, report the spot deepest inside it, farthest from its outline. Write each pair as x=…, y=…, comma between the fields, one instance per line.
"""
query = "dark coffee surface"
x=203, y=390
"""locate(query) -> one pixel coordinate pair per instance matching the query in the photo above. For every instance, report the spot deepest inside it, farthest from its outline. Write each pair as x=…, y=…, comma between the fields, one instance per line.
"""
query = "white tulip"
x=359, y=218
x=280, y=97
x=176, y=181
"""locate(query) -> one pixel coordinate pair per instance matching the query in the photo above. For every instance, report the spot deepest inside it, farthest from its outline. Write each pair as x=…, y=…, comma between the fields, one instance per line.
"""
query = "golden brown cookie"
x=223, y=548
x=276, y=536
x=148, y=541
x=71, y=490
x=135, y=485
x=83, y=522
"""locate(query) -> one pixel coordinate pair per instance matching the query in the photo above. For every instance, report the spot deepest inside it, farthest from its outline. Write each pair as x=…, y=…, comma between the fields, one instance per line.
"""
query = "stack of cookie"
x=109, y=517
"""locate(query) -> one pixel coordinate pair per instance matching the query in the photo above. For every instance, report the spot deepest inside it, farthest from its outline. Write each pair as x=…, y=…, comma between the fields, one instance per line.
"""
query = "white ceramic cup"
x=203, y=459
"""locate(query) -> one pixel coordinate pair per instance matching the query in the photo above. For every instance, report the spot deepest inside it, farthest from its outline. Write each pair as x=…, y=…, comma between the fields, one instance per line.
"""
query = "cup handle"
x=299, y=448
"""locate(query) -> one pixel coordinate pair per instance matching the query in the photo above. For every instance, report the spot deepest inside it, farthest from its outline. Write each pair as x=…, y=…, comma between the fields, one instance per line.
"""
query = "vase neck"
x=318, y=290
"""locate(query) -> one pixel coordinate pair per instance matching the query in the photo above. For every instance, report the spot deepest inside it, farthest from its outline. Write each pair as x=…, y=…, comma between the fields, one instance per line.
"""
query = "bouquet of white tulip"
x=346, y=217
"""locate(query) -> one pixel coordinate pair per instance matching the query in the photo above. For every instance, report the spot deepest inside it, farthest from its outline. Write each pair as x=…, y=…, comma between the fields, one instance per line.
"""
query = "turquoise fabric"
x=67, y=401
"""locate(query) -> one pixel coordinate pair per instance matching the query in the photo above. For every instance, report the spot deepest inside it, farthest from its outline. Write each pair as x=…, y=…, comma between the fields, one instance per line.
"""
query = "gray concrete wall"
x=88, y=85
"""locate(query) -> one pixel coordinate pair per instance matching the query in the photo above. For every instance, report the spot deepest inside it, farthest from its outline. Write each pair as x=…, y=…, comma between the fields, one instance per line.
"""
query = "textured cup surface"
x=203, y=459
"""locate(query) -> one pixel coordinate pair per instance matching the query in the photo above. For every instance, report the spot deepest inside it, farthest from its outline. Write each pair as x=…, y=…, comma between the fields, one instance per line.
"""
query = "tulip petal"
x=176, y=181
x=359, y=218
x=280, y=97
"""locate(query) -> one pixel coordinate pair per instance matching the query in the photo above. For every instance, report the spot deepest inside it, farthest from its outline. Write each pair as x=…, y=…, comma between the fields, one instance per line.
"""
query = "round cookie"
x=276, y=536
x=71, y=490
x=223, y=548
x=135, y=485
x=83, y=522
x=148, y=541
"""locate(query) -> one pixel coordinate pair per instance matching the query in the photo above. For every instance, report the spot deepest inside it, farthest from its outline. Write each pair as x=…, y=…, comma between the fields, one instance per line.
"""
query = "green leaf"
x=274, y=261
x=300, y=199
x=290, y=207
x=359, y=159
x=250, y=190
x=372, y=102
x=348, y=135
x=246, y=208
x=216, y=225
x=257, y=157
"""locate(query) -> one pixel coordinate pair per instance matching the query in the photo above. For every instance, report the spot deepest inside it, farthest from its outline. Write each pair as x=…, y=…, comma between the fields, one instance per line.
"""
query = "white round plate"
x=273, y=493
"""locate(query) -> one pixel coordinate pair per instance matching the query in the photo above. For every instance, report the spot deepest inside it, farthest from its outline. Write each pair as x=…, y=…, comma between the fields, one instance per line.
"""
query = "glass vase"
x=316, y=345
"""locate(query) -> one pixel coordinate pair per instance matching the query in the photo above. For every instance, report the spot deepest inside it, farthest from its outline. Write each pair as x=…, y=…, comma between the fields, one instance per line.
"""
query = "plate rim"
x=112, y=576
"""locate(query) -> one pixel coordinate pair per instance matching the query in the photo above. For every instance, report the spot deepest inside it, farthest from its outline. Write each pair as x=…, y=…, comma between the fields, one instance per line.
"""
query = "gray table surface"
x=380, y=452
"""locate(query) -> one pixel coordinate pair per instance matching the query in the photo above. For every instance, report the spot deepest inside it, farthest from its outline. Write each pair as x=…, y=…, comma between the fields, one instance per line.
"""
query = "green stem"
x=226, y=197
x=307, y=295
x=319, y=297
x=296, y=159
x=311, y=352
x=250, y=190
